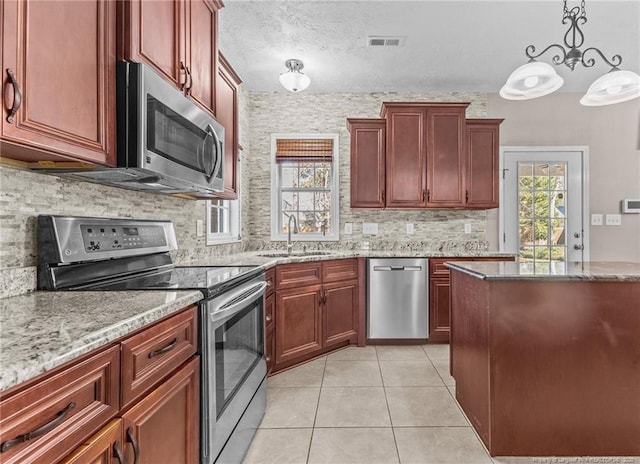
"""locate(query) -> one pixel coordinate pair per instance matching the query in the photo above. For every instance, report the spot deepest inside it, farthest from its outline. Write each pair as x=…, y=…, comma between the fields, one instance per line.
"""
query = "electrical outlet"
x=370, y=228
x=348, y=228
x=467, y=228
x=596, y=219
x=410, y=229
x=199, y=228
x=613, y=219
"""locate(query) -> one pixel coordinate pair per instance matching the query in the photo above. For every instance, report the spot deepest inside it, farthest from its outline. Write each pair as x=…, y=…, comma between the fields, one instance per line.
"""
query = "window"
x=223, y=221
x=305, y=184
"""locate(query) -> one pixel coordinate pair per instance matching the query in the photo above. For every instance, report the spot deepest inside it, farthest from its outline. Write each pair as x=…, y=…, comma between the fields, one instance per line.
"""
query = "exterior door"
x=544, y=204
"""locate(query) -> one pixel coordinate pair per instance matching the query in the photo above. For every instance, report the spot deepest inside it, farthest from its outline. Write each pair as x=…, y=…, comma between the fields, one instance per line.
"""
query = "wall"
x=612, y=134
x=327, y=113
x=25, y=194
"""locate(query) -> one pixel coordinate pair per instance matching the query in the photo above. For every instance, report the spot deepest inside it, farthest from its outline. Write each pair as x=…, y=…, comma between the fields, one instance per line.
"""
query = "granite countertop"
x=503, y=270
x=267, y=259
x=42, y=330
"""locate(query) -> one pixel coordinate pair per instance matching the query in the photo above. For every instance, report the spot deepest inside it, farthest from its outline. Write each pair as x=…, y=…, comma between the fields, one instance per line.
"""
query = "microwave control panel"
x=101, y=237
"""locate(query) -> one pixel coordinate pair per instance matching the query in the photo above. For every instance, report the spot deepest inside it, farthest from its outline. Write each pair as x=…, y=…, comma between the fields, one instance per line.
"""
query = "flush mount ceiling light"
x=293, y=79
x=535, y=79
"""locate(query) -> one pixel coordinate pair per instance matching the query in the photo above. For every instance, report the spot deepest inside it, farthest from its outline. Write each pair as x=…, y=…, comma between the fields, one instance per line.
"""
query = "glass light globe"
x=531, y=80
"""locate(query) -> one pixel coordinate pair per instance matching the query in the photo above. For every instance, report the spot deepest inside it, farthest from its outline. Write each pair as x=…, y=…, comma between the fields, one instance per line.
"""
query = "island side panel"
x=470, y=349
x=565, y=368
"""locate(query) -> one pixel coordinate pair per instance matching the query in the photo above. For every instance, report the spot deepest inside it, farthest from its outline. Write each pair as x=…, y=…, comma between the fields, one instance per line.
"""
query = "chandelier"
x=293, y=79
x=536, y=79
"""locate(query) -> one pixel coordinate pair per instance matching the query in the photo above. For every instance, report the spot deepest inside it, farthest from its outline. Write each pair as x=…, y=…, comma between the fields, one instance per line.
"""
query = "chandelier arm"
x=557, y=59
x=574, y=32
x=616, y=60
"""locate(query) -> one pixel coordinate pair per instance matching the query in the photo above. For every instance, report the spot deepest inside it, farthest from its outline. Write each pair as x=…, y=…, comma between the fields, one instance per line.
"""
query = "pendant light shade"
x=616, y=86
x=531, y=80
x=293, y=79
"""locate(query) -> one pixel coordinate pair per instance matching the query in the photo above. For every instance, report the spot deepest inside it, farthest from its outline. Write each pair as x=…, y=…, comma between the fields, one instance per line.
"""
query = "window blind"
x=306, y=150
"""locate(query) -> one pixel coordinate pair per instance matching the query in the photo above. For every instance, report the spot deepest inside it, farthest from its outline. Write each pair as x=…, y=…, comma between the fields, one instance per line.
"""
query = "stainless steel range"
x=79, y=253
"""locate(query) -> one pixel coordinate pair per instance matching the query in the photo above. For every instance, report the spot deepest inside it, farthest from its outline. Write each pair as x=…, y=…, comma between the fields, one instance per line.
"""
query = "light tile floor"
x=373, y=405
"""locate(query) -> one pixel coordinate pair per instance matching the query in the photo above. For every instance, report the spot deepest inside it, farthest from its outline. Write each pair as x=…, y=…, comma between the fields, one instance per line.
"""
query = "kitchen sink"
x=284, y=254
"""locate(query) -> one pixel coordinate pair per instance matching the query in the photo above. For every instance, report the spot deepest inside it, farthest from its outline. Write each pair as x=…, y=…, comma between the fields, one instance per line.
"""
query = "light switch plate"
x=199, y=228
x=410, y=229
x=370, y=228
x=348, y=228
x=467, y=228
x=596, y=219
x=613, y=219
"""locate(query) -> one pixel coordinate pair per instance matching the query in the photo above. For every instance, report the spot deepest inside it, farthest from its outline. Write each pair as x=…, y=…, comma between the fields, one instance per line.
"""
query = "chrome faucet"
x=295, y=231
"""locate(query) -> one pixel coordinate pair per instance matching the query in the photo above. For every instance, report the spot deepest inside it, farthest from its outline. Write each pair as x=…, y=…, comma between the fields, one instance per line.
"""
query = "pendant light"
x=535, y=79
x=293, y=79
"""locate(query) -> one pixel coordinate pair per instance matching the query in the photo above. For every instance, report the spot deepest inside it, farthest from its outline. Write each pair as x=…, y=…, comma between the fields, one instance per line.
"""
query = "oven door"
x=233, y=365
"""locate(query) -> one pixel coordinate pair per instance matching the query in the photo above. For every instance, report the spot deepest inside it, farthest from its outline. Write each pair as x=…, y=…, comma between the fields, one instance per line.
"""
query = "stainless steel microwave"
x=166, y=142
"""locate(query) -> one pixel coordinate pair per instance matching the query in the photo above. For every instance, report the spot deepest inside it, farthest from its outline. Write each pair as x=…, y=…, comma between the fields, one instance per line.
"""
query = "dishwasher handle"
x=397, y=268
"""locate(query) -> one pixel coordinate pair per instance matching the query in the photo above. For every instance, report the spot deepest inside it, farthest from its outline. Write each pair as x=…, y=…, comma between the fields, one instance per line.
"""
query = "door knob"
x=578, y=246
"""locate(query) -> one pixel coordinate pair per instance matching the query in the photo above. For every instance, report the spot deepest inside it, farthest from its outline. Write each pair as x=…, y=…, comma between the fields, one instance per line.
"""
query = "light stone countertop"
x=42, y=330
x=611, y=271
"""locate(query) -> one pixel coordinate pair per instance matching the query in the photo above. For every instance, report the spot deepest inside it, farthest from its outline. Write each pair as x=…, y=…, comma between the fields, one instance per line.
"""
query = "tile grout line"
x=315, y=416
x=386, y=400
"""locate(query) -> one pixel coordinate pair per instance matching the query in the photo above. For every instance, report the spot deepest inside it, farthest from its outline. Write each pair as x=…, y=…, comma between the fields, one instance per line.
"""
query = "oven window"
x=239, y=347
x=172, y=136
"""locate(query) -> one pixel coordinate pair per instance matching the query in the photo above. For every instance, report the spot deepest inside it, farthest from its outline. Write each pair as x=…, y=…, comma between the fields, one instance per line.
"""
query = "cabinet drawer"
x=339, y=270
x=60, y=411
x=270, y=277
x=437, y=267
x=154, y=353
x=298, y=275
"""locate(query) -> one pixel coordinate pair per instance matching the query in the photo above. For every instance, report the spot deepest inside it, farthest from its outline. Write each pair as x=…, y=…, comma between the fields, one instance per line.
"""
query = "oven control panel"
x=101, y=237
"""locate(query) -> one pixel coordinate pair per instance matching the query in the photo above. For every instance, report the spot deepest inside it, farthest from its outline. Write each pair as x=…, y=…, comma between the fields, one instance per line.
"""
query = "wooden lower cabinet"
x=316, y=317
x=340, y=313
x=439, y=320
x=105, y=447
x=298, y=322
x=164, y=425
x=440, y=296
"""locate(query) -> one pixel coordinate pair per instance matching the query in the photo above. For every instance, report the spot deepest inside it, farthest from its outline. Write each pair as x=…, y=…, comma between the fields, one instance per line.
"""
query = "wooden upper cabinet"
x=227, y=115
x=58, y=72
x=483, y=144
x=177, y=38
x=446, y=155
x=406, y=155
x=202, y=51
x=368, y=139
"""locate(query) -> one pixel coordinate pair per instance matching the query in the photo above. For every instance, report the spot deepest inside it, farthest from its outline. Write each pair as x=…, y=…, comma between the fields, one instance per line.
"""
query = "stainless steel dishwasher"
x=397, y=298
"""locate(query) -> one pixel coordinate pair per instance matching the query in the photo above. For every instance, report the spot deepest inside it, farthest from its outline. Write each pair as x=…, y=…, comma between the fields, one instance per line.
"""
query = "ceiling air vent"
x=384, y=41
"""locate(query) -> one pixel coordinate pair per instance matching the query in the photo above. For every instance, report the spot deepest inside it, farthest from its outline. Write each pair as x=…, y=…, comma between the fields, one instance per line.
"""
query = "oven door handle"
x=230, y=307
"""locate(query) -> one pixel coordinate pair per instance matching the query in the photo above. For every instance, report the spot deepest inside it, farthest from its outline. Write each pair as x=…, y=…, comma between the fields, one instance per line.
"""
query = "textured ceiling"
x=448, y=45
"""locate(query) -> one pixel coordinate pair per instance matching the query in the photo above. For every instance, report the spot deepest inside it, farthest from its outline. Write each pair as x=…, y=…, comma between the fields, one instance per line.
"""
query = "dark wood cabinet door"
x=340, y=306
x=164, y=425
x=298, y=322
x=368, y=139
x=104, y=447
x=227, y=115
x=483, y=144
x=62, y=58
x=439, y=322
x=446, y=156
x=270, y=350
x=153, y=33
x=405, y=157
x=201, y=32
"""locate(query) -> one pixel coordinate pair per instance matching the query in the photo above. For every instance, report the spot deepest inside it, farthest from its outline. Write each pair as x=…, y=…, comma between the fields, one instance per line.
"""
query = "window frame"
x=276, y=200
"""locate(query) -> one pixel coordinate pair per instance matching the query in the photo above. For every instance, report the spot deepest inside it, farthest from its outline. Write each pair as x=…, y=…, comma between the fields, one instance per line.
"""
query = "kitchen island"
x=547, y=358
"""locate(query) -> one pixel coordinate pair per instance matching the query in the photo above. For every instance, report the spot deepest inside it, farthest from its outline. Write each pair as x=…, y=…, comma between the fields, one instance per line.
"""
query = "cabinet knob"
x=267, y=317
x=267, y=358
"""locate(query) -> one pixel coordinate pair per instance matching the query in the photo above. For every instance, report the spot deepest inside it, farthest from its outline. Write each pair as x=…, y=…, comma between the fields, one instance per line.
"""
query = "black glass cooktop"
x=209, y=280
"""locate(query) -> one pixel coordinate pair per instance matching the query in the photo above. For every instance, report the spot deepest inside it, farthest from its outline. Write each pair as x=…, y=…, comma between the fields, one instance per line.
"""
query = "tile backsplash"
x=25, y=194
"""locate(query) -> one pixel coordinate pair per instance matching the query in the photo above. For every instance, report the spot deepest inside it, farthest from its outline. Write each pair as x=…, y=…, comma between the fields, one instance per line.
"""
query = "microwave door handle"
x=209, y=171
x=218, y=150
